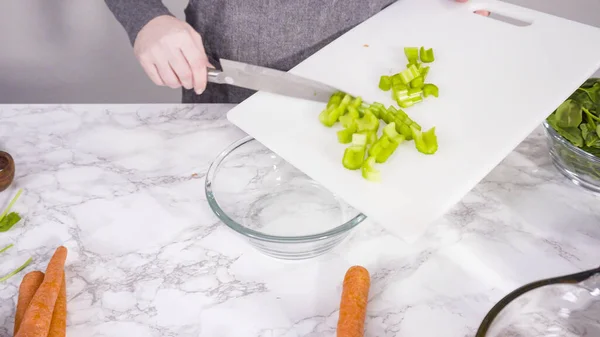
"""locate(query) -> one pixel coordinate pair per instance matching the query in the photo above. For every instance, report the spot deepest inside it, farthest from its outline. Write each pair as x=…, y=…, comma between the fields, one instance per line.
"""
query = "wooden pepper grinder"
x=7, y=170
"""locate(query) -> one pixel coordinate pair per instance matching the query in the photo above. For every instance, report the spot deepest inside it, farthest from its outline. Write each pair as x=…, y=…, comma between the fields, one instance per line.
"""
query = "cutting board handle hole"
x=501, y=17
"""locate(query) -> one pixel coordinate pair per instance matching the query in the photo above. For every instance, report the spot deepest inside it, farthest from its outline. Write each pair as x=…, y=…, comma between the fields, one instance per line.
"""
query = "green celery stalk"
x=377, y=109
x=354, y=155
x=385, y=83
x=335, y=115
x=414, y=92
x=11, y=204
x=425, y=142
x=368, y=122
x=356, y=103
x=16, y=271
x=412, y=54
x=417, y=82
x=379, y=145
x=371, y=137
x=369, y=172
x=396, y=79
x=335, y=99
x=424, y=72
x=324, y=116
x=6, y=248
x=386, y=152
x=345, y=135
x=426, y=55
x=406, y=76
x=348, y=121
x=430, y=90
x=414, y=71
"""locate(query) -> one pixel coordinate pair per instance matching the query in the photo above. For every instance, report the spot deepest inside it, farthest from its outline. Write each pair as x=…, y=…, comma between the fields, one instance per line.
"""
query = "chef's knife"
x=270, y=80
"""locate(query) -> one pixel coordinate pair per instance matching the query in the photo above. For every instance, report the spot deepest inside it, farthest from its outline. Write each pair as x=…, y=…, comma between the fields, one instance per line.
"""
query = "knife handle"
x=216, y=76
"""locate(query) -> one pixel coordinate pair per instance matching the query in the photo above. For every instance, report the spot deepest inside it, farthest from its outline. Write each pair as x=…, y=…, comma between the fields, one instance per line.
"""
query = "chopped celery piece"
x=417, y=82
x=406, y=76
x=356, y=103
x=425, y=142
x=354, y=156
x=392, y=112
x=390, y=131
x=368, y=122
x=359, y=139
x=379, y=145
x=412, y=54
x=417, y=99
x=324, y=116
x=401, y=96
x=426, y=55
x=404, y=130
x=335, y=115
x=345, y=135
x=353, y=112
x=335, y=99
x=385, y=116
x=377, y=109
x=386, y=152
x=399, y=87
x=371, y=137
x=348, y=121
x=361, y=110
x=346, y=101
x=385, y=83
x=430, y=90
x=414, y=70
x=405, y=103
x=414, y=92
x=396, y=79
x=377, y=105
x=369, y=172
x=424, y=72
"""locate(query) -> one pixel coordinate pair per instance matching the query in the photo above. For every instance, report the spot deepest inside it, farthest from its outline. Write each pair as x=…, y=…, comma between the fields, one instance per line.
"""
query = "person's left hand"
x=480, y=12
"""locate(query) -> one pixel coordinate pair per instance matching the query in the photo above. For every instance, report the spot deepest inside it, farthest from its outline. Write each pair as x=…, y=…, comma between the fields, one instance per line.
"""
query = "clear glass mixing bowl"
x=566, y=306
x=579, y=166
x=280, y=210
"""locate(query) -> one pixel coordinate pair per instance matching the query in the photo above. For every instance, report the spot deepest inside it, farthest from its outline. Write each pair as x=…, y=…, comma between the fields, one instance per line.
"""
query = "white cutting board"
x=497, y=83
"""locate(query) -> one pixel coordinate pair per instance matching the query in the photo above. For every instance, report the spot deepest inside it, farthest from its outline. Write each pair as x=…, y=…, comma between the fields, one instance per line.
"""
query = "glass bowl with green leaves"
x=573, y=134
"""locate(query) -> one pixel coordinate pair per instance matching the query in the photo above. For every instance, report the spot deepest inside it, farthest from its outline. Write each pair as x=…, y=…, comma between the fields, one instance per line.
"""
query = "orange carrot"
x=353, y=306
x=36, y=322
x=58, y=326
x=29, y=285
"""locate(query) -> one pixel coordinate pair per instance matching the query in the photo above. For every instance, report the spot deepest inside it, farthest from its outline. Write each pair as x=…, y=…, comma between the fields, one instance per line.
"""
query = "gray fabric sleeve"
x=135, y=14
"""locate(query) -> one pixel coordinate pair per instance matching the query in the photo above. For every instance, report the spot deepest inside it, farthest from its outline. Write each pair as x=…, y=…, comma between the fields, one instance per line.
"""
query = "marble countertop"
x=122, y=187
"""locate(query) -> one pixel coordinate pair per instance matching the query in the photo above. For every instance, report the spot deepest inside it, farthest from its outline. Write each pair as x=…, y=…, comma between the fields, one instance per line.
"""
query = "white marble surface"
x=122, y=188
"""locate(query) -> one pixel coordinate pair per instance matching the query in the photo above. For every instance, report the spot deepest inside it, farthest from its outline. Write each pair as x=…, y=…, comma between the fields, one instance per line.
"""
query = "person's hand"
x=480, y=12
x=172, y=54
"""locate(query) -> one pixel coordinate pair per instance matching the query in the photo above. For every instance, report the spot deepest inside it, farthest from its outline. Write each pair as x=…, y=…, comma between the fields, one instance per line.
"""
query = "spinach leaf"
x=593, y=92
x=584, y=99
x=8, y=221
x=572, y=134
x=589, y=136
x=569, y=114
x=577, y=119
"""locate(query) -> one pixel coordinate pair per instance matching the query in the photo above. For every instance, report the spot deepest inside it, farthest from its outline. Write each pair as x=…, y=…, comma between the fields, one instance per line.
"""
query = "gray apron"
x=271, y=33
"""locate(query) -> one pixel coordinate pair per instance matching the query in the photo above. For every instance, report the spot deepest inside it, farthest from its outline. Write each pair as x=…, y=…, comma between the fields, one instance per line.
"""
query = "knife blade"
x=270, y=80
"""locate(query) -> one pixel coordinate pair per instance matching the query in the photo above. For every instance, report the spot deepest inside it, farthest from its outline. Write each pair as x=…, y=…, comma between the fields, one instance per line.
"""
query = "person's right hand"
x=172, y=54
